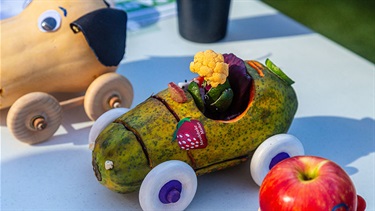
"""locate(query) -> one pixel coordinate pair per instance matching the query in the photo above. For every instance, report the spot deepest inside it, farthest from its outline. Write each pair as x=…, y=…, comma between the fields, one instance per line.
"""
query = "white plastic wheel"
x=157, y=181
x=102, y=122
x=271, y=151
x=34, y=117
x=108, y=91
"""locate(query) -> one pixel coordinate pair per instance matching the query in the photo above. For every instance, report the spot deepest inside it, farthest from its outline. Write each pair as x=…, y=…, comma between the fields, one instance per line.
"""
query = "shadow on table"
x=57, y=178
x=262, y=27
x=154, y=73
x=342, y=140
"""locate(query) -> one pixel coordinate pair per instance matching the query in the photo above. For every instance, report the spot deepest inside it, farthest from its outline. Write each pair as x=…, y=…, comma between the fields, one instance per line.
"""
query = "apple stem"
x=306, y=177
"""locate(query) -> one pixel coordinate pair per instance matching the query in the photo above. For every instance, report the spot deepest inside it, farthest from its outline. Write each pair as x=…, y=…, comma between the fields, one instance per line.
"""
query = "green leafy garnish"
x=223, y=102
x=215, y=92
x=278, y=72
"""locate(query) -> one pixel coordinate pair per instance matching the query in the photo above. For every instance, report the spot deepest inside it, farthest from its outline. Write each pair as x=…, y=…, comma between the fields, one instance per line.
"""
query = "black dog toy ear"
x=105, y=32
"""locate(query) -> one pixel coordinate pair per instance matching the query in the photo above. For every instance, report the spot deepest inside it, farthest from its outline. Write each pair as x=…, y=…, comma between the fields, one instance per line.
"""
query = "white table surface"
x=335, y=118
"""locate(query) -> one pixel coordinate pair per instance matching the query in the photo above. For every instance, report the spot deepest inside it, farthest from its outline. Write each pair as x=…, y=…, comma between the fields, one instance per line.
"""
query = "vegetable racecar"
x=56, y=46
x=210, y=123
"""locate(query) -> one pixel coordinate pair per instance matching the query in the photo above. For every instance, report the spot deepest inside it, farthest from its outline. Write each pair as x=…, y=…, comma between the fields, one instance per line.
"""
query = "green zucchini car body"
x=142, y=138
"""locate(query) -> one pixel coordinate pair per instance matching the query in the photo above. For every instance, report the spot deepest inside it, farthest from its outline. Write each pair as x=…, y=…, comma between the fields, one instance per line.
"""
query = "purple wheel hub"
x=170, y=192
x=278, y=158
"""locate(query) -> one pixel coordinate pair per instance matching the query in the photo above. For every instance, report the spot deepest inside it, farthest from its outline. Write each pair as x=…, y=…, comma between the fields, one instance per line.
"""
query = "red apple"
x=307, y=183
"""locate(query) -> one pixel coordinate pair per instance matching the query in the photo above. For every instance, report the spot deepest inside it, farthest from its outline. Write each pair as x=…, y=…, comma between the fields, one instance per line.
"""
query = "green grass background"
x=350, y=23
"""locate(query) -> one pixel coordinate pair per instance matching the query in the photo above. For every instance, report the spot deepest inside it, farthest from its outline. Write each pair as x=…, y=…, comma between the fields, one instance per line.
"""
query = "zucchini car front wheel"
x=102, y=122
x=273, y=150
x=169, y=186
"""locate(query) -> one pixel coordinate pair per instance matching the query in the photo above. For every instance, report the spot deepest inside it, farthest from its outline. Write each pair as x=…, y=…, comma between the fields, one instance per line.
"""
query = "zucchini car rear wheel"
x=272, y=151
x=34, y=117
x=108, y=91
x=171, y=185
x=102, y=122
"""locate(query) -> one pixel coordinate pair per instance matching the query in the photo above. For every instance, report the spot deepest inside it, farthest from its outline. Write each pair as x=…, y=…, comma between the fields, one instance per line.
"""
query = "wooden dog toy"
x=61, y=46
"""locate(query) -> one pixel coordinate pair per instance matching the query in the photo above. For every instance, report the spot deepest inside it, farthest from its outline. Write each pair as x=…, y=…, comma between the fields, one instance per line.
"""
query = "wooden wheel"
x=169, y=186
x=108, y=91
x=34, y=117
x=102, y=122
x=272, y=151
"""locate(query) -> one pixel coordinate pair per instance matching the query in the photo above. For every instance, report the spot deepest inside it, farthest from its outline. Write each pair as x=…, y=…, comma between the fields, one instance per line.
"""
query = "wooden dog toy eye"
x=49, y=21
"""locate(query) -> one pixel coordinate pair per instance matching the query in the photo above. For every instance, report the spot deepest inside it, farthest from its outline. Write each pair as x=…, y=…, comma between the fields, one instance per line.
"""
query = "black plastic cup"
x=203, y=21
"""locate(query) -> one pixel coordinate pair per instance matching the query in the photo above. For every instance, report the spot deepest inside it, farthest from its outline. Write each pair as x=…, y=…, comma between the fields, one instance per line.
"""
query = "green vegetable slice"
x=195, y=92
x=214, y=93
x=278, y=72
x=223, y=102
